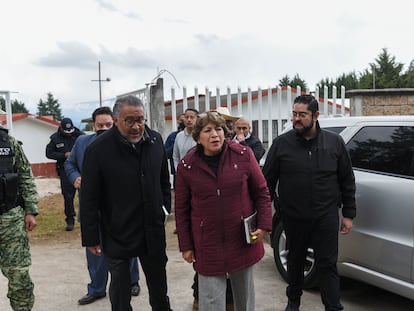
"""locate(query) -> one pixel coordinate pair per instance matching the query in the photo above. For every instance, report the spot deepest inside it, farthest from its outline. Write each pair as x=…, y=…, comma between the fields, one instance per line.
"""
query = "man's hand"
x=77, y=182
x=189, y=256
x=30, y=222
x=346, y=225
x=67, y=154
x=96, y=250
x=240, y=137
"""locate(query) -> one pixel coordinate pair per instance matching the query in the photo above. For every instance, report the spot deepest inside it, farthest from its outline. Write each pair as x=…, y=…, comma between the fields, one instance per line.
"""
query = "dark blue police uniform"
x=60, y=143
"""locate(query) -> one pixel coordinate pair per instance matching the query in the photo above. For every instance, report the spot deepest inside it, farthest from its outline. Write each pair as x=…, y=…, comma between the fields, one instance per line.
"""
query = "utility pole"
x=373, y=76
x=99, y=81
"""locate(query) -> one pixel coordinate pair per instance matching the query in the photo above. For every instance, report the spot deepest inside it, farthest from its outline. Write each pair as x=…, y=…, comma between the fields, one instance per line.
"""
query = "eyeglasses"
x=300, y=114
x=130, y=121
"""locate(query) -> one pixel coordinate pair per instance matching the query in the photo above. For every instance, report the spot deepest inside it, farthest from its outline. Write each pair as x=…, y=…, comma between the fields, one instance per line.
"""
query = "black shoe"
x=135, y=289
x=340, y=308
x=69, y=227
x=292, y=306
x=87, y=299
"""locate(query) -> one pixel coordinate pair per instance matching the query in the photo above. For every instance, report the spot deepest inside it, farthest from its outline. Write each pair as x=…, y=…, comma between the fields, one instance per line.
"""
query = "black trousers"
x=68, y=192
x=322, y=235
x=154, y=268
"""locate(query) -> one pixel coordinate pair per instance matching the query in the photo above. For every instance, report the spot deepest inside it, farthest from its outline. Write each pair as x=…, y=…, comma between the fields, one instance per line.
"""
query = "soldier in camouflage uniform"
x=18, y=208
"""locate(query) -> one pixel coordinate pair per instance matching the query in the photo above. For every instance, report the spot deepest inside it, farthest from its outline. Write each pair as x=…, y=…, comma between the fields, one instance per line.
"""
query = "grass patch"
x=51, y=219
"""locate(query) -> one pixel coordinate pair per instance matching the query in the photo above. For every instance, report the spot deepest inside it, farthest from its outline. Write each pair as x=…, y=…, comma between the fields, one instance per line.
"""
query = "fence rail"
x=267, y=109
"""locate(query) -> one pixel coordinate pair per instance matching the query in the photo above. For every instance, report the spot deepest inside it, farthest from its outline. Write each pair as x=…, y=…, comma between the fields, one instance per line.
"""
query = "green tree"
x=285, y=81
x=348, y=80
x=88, y=127
x=17, y=106
x=296, y=81
x=408, y=76
x=325, y=82
x=50, y=107
x=385, y=72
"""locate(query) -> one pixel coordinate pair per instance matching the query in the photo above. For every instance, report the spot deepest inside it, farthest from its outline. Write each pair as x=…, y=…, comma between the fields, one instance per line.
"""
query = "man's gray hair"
x=129, y=100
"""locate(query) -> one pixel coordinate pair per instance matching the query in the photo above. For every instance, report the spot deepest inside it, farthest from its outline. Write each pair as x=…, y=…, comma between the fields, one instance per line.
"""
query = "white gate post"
x=207, y=100
x=173, y=110
x=229, y=107
x=218, y=99
x=334, y=100
x=196, y=100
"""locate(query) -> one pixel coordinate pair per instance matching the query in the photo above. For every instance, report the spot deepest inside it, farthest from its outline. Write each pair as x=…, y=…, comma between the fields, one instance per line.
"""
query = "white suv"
x=380, y=248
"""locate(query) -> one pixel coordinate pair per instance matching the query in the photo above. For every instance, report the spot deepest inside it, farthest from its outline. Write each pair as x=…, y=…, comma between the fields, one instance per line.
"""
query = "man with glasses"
x=125, y=189
x=102, y=121
x=313, y=171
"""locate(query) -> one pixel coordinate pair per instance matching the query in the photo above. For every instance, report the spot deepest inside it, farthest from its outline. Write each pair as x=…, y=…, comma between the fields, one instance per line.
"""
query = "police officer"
x=18, y=208
x=58, y=149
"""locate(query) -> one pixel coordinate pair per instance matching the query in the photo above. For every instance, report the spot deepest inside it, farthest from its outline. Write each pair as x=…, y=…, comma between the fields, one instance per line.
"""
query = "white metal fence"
x=267, y=109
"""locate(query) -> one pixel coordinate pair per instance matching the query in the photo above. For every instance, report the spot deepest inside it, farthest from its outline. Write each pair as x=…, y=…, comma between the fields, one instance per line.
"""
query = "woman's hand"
x=259, y=235
x=189, y=256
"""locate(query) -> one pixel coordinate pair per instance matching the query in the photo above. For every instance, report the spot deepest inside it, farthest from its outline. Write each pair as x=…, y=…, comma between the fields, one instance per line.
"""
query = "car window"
x=335, y=129
x=386, y=149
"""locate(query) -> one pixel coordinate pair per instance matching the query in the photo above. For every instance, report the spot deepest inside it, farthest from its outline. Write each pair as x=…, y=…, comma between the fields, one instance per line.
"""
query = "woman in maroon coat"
x=219, y=182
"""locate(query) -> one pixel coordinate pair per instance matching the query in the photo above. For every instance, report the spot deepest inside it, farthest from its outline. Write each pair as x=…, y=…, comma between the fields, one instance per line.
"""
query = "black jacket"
x=315, y=177
x=256, y=145
x=124, y=187
x=59, y=144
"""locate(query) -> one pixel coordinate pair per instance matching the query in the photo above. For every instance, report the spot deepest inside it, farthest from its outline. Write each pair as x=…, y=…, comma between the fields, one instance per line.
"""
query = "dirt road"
x=60, y=276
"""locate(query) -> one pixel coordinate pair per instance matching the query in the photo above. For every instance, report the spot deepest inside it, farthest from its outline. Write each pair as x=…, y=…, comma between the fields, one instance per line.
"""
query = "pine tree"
x=17, y=107
x=50, y=107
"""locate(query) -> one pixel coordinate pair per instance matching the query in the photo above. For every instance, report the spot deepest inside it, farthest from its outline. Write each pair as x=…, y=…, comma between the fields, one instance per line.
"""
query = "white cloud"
x=55, y=46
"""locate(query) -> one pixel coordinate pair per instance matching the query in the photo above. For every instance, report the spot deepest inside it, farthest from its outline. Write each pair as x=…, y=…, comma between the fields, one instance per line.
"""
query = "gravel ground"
x=47, y=186
x=60, y=275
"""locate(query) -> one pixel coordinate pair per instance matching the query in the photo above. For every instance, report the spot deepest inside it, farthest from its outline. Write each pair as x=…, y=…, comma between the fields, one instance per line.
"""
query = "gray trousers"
x=212, y=291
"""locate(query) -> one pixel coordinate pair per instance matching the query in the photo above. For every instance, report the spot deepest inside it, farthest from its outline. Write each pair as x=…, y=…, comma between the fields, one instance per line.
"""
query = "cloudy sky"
x=54, y=46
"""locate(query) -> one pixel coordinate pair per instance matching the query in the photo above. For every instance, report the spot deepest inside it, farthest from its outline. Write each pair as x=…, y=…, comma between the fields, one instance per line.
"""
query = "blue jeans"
x=98, y=272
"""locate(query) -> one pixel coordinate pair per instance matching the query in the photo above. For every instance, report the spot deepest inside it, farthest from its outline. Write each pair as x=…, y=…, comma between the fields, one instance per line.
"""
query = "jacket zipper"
x=224, y=242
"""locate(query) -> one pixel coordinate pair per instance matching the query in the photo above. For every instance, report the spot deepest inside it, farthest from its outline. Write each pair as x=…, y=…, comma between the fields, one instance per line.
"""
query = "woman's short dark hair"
x=208, y=117
x=309, y=100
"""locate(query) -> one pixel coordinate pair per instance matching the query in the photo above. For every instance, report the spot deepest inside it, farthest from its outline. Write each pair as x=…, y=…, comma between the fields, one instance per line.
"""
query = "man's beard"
x=303, y=130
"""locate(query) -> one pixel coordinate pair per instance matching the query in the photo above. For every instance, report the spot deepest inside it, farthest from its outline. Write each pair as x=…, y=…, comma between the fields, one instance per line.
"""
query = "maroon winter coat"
x=209, y=209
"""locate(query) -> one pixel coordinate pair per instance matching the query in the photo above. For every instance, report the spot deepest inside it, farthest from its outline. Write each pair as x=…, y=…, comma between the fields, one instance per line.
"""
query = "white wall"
x=35, y=136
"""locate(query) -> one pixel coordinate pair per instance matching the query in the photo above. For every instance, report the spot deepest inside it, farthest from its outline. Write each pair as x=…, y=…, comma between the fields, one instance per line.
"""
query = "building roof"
x=22, y=116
